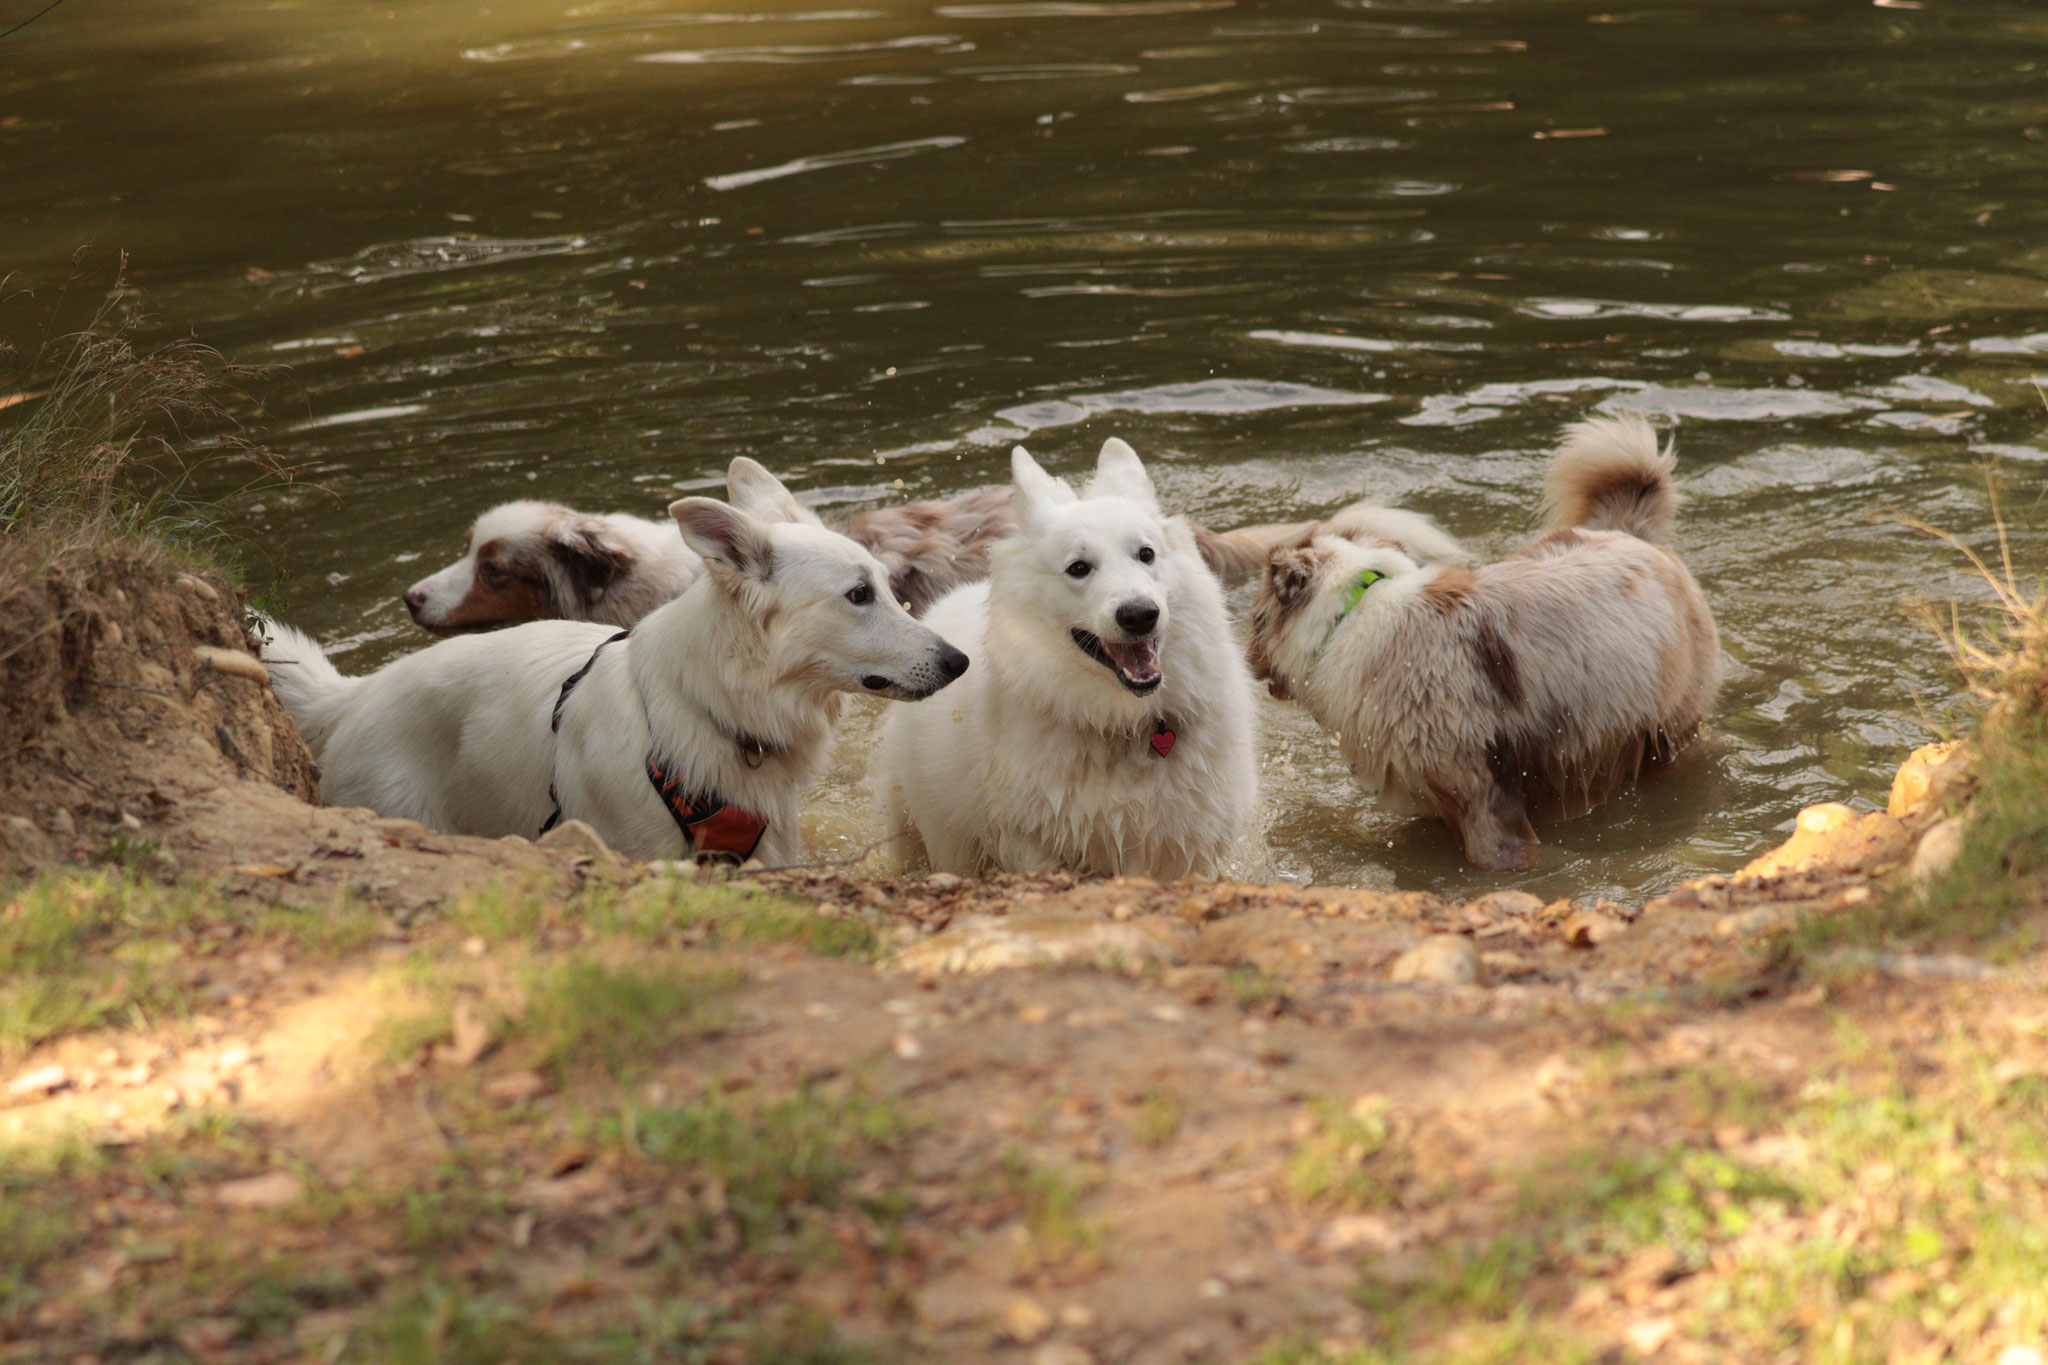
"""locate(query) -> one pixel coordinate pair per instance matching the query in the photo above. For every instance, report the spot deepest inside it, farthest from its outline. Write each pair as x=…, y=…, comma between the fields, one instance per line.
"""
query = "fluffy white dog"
x=1107, y=726
x=698, y=733
x=1552, y=676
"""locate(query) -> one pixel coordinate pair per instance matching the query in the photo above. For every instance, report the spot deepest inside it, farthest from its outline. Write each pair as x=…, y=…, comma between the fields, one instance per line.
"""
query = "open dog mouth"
x=1136, y=665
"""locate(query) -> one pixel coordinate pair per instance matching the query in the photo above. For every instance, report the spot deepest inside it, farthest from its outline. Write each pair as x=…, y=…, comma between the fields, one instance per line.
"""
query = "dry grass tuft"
x=110, y=443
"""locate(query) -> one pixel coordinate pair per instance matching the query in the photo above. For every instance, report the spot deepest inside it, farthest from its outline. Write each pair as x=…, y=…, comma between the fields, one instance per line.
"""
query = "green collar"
x=1352, y=596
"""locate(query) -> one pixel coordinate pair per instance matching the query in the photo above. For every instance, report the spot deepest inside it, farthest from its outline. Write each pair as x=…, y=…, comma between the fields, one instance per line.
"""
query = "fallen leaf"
x=516, y=1087
x=41, y=1081
x=273, y=1190
x=469, y=1038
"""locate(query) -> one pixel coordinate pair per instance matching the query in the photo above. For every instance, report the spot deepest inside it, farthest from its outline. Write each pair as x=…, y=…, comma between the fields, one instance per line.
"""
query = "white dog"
x=698, y=733
x=1107, y=726
x=1554, y=675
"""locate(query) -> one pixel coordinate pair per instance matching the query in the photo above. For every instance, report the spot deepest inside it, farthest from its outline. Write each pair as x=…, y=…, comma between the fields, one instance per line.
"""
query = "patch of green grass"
x=732, y=913
x=343, y=925
x=667, y=911
x=1048, y=1199
x=446, y=1324
x=1160, y=1113
x=1258, y=991
x=82, y=950
x=1348, y=1159
x=774, y=1161
x=582, y=1012
x=1874, y=1223
x=41, y=1214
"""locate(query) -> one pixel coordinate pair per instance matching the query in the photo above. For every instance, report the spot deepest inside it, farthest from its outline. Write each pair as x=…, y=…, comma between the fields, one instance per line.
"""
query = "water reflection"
x=1297, y=254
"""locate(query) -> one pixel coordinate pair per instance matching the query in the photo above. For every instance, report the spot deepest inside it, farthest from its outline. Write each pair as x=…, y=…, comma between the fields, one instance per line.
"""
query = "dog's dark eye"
x=1145, y=555
x=861, y=595
x=1080, y=568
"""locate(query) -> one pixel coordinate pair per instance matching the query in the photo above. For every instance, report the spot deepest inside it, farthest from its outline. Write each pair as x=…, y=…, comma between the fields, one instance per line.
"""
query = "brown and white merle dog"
x=534, y=561
x=1551, y=677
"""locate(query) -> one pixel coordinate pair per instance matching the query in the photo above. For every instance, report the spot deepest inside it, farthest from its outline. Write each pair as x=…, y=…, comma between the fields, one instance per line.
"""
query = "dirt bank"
x=398, y=1095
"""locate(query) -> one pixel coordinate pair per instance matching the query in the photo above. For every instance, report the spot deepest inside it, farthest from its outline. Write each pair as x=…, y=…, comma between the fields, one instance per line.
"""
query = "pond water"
x=1296, y=251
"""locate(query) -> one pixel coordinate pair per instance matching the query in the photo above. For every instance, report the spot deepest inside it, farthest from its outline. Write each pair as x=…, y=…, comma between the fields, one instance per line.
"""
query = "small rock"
x=1025, y=1320
x=944, y=881
x=474, y=946
x=274, y=1190
x=1764, y=919
x=1062, y=1353
x=1508, y=905
x=1447, y=959
x=198, y=587
x=21, y=832
x=1213, y=1288
x=1821, y=819
x=44, y=1080
x=1077, y=1317
x=1590, y=928
x=1358, y=1232
x=233, y=662
x=907, y=1047
x=979, y=944
x=578, y=839
x=1936, y=852
x=516, y=1087
x=1647, y=1336
x=1928, y=773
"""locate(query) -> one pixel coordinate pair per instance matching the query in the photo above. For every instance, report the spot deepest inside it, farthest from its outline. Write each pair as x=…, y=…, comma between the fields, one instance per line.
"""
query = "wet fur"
x=1041, y=757
x=1557, y=674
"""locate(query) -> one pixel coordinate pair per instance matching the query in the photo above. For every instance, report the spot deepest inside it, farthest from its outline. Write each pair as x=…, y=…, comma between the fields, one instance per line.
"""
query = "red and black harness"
x=712, y=827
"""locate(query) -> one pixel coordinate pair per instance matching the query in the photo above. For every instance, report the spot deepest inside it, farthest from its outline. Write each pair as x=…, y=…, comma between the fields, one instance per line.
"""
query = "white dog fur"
x=736, y=684
x=1554, y=675
x=1046, y=755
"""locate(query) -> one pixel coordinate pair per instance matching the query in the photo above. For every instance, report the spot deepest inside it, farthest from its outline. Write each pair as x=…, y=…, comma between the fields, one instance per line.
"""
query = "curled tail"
x=1608, y=475
x=311, y=688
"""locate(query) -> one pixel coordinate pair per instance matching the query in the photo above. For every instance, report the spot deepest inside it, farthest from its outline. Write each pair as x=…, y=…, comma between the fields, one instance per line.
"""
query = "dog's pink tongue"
x=1139, y=662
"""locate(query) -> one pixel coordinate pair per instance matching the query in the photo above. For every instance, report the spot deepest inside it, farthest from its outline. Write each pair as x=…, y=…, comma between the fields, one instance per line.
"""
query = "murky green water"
x=1296, y=251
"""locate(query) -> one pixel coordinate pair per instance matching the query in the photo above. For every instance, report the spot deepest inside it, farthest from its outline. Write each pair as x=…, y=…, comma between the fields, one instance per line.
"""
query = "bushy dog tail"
x=1608, y=475
x=1238, y=556
x=311, y=688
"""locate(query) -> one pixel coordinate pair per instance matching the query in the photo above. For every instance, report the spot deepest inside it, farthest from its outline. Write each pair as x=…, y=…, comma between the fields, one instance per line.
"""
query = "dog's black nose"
x=951, y=662
x=415, y=598
x=1138, y=618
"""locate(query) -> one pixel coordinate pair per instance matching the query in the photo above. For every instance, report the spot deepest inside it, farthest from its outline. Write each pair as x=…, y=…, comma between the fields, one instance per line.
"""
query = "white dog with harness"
x=697, y=733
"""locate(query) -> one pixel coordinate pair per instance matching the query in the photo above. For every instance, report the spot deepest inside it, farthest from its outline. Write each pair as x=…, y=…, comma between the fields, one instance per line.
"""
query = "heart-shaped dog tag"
x=1162, y=742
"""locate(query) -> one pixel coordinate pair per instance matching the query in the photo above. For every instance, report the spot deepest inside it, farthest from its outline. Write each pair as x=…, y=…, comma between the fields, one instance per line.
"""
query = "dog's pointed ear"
x=1292, y=572
x=1119, y=473
x=761, y=495
x=1036, y=489
x=731, y=542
